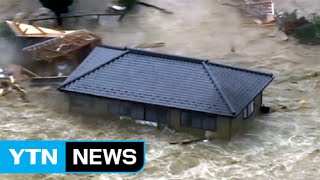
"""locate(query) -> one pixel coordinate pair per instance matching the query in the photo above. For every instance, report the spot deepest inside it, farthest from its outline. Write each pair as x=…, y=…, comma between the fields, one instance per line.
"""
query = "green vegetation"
x=293, y=15
x=309, y=33
x=4, y=30
x=317, y=20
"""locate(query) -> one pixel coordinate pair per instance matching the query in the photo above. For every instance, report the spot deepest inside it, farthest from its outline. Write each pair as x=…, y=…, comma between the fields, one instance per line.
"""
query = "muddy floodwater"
x=284, y=144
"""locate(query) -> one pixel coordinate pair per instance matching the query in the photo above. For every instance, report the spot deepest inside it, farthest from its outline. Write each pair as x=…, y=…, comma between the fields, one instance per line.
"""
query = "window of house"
x=186, y=119
x=114, y=108
x=126, y=109
x=209, y=124
x=248, y=110
x=156, y=114
x=137, y=112
x=119, y=108
x=82, y=101
x=197, y=120
x=251, y=108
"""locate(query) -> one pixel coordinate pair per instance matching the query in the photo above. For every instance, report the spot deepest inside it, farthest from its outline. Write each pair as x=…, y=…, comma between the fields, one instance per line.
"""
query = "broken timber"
x=8, y=84
x=263, y=10
x=27, y=30
x=155, y=7
x=28, y=72
x=77, y=16
x=61, y=55
x=185, y=142
x=61, y=46
x=47, y=81
x=150, y=45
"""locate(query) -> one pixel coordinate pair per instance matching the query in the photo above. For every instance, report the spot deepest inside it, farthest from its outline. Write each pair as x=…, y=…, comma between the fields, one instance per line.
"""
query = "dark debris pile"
x=305, y=29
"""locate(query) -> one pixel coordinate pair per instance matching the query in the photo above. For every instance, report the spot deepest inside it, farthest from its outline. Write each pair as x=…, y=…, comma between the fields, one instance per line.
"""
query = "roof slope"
x=166, y=80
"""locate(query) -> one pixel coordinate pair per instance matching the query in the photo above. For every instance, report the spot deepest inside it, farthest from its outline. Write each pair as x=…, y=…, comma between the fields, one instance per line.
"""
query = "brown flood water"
x=284, y=144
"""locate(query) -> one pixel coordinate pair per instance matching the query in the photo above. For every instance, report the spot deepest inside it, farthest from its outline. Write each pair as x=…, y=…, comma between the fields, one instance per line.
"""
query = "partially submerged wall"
x=221, y=130
x=241, y=124
x=225, y=127
x=95, y=106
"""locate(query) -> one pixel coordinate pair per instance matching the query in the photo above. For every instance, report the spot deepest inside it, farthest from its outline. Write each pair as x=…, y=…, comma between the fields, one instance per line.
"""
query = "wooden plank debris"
x=262, y=10
x=8, y=84
x=55, y=81
x=61, y=46
x=186, y=142
x=150, y=45
x=27, y=30
x=98, y=15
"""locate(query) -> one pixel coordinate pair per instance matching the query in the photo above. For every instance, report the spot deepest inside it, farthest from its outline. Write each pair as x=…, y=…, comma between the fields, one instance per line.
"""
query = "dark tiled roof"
x=96, y=58
x=166, y=80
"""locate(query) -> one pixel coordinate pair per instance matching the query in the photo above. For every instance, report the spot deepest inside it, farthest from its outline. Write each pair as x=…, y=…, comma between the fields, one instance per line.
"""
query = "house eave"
x=152, y=104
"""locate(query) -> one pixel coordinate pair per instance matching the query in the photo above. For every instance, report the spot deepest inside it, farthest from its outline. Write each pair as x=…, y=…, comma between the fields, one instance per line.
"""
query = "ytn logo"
x=52, y=157
x=36, y=156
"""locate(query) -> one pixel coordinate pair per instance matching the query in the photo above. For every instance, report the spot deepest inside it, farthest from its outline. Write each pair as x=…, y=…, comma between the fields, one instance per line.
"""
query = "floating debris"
x=150, y=45
x=262, y=10
x=61, y=55
x=308, y=34
x=306, y=30
x=302, y=103
x=53, y=54
x=71, y=16
x=8, y=85
x=61, y=46
x=186, y=142
x=54, y=81
x=27, y=30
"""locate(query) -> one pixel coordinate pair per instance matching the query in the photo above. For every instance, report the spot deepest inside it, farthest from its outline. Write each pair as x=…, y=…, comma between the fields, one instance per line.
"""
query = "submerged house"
x=182, y=93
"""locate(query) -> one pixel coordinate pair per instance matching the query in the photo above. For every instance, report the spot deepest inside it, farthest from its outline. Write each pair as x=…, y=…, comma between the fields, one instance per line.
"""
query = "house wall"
x=241, y=124
x=226, y=127
x=222, y=126
x=88, y=105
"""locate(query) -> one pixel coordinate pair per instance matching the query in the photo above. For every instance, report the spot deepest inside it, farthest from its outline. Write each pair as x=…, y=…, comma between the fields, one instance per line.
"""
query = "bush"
x=309, y=33
x=5, y=31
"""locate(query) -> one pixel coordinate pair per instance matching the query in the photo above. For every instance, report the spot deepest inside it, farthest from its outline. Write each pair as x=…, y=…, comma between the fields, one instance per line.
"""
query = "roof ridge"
x=86, y=73
x=183, y=58
x=165, y=55
x=214, y=82
x=242, y=69
x=192, y=59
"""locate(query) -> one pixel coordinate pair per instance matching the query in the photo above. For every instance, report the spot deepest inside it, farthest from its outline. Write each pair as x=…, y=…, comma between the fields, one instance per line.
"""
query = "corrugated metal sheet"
x=166, y=80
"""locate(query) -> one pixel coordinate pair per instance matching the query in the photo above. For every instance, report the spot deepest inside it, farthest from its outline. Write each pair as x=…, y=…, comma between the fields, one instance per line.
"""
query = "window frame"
x=245, y=113
x=199, y=116
x=126, y=109
x=248, y=111
x=250, y=108
x=159, y=113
